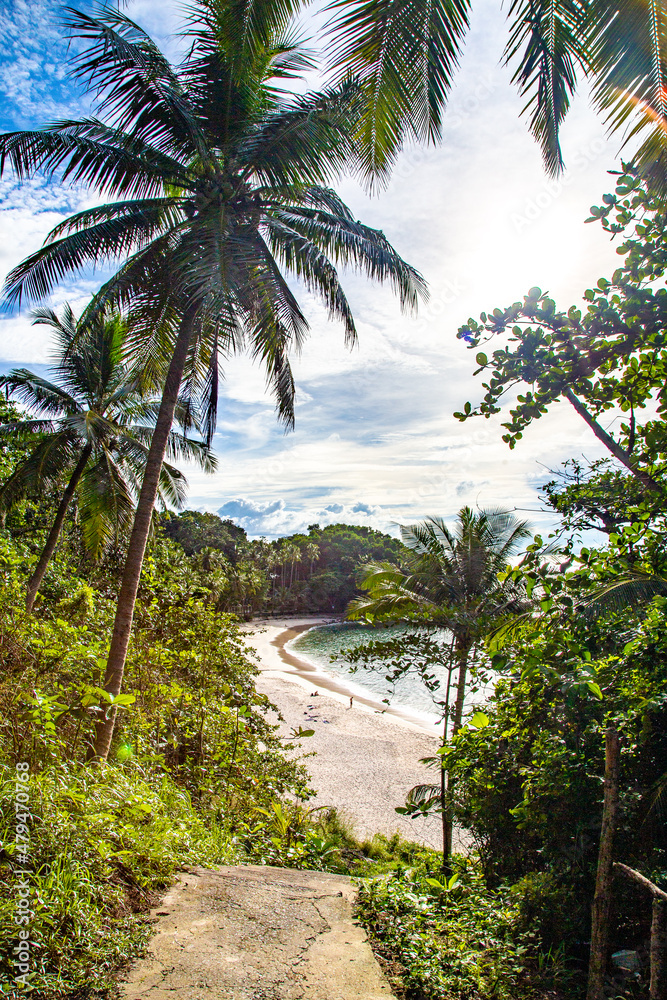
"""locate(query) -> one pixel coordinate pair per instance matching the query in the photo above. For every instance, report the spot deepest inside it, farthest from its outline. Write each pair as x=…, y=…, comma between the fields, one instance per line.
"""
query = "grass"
x=103, y=842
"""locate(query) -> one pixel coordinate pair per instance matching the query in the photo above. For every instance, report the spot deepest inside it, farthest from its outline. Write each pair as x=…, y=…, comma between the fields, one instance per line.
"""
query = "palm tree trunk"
x=463, y=645
x=35, y=580
x=447, y=825
x=140, y=531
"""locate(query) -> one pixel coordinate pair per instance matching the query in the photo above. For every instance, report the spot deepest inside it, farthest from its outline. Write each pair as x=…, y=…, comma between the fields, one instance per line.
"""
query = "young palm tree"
x=453, y=583
x=218, y=179
x=85, y=427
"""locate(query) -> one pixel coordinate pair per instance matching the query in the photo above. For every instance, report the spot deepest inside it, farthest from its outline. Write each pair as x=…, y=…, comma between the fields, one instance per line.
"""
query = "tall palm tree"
x=218, y=179
x=295, y=559
x=452, y=583
x=313, y=553
x=88, y=425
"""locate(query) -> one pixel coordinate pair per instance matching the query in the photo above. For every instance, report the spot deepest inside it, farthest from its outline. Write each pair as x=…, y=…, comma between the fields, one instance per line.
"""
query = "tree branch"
x=643, y=881
x=613, y=446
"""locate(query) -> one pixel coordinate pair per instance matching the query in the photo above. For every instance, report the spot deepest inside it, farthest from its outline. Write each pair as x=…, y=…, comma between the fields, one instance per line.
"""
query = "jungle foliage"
x=313, y=572
x=587, y=652
x=194, y=761
x=197, y=775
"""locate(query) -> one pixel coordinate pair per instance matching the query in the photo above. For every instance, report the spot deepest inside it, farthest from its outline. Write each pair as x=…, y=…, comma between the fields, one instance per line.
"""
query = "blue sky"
x=376, y=442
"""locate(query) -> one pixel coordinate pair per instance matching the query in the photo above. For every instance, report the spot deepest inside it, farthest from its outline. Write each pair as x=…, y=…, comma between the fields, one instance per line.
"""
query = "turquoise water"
x=318, y=644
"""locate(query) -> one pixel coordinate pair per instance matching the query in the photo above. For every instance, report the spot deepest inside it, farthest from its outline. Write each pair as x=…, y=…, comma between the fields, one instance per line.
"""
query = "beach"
x=367, y=758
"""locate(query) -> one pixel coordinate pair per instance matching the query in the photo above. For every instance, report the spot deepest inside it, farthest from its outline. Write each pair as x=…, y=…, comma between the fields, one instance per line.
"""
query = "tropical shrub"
x=196, y=773
x=102, y=841
x=530, y=784
x=450, y=939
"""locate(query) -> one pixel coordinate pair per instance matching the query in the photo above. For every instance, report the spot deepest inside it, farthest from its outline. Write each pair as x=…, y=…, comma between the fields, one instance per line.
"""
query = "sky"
x=376, y=442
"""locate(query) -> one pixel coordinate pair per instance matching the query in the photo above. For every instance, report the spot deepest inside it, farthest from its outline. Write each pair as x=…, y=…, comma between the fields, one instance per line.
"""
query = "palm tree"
x=406, y=54
x=218, y=179
x=295, y=558
x=452, y=583
x=313, y=553
x=85, y=427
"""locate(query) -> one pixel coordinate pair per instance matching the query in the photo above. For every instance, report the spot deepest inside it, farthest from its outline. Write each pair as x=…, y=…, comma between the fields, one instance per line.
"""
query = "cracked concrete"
x=251, y=932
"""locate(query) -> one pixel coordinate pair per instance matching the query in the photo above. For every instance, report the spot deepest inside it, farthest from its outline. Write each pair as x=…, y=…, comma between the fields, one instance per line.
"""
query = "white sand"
x=367, y=759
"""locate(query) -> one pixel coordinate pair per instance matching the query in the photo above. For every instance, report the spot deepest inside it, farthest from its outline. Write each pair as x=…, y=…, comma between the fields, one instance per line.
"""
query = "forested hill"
x=299, y=573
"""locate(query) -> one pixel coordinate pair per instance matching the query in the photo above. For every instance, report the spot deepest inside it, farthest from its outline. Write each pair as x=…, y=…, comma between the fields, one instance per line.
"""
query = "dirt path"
x=250, y=932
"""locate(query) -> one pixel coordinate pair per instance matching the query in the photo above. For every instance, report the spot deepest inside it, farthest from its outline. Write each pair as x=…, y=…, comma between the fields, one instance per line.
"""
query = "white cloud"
x=277, y=518
x=374, y=425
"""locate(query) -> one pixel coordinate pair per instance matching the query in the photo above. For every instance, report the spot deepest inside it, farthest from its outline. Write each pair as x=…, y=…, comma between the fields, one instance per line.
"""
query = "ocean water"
x=322, y=642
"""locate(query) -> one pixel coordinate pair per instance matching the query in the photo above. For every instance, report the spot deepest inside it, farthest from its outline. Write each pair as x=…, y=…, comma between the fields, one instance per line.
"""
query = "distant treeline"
x=301, y=572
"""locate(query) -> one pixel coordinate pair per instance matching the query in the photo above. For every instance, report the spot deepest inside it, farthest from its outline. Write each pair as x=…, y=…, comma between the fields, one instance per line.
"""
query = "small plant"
x=452, y=939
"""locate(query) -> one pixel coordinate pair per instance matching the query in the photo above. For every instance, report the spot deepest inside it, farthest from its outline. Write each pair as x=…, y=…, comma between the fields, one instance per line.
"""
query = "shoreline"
x=362, y=759
x=299, y=670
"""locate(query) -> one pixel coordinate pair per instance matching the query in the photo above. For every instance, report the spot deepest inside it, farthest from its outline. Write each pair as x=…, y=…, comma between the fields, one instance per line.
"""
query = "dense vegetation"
x=316, y=572
x=196, y=775
x=583, y=664
x=194, y=760
x=132, y=738
x=528, y=786
x=213, y=186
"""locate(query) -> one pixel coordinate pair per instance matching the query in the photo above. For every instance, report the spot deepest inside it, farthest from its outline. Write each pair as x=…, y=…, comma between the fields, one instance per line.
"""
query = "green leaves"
x=630, y=61
x=118, y=700
x=612, y=356
x=548, y=40
x=219, y=180
x=466, y=412
x=404, y=53
x=436, y=927
x=85, y=429
x=449, y=884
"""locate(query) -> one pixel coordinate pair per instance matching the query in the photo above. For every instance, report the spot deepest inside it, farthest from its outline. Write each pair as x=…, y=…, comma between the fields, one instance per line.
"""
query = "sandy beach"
x=367, y=758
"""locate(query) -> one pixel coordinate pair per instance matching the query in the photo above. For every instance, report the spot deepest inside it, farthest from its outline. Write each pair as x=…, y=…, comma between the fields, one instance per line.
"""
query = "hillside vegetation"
x=314, y=573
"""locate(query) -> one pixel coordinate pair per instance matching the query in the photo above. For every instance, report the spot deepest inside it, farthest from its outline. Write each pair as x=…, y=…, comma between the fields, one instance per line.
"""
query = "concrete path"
x=251, y=932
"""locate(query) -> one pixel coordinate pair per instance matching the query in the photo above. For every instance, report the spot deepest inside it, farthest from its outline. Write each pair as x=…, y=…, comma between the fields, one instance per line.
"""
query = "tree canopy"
x=609, y=358
x=87, y=433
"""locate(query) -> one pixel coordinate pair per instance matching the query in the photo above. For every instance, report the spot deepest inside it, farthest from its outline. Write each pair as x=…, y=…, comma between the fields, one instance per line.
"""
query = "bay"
x=321, y=643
